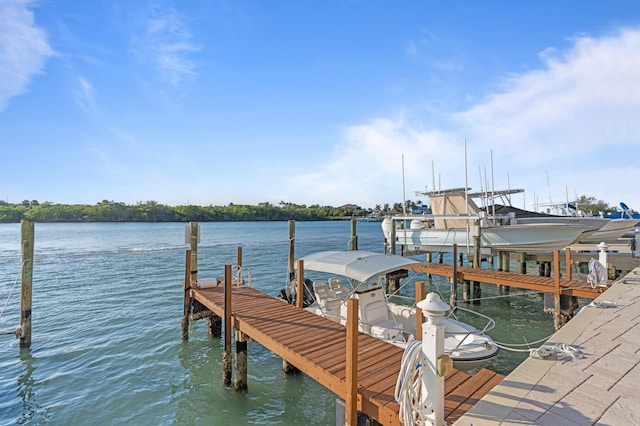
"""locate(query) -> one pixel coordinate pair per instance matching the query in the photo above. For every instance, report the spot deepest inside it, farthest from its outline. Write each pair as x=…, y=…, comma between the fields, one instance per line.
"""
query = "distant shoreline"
x=151, y=211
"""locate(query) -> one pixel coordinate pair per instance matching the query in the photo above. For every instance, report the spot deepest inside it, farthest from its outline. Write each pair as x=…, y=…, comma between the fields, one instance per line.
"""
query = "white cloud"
x=577, y=118
x=85, y=96
x=369, y=163
x=23, y=49
x=165, y=41
x=581, y=99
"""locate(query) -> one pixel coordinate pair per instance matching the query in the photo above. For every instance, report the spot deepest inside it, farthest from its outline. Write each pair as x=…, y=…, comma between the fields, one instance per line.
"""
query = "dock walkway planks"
x=317, y=347
x=529, y=282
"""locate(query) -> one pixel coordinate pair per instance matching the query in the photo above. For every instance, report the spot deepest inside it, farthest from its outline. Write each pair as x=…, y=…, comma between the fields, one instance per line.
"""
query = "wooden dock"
x=565, y=286
x=318, y=347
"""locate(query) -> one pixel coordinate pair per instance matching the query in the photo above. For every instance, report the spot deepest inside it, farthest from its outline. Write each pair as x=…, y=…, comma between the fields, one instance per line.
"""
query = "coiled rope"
x=409, y=391
x=560, y=350
x=596, y=273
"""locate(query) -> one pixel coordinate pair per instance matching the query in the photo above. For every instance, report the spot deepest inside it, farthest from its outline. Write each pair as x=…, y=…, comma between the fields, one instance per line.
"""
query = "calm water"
x=107, y=306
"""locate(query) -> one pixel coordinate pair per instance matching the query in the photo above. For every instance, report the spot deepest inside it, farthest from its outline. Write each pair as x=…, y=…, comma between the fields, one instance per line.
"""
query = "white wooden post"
x=433, y=309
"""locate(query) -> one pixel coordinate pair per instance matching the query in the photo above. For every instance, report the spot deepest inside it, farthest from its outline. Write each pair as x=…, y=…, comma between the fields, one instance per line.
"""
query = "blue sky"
x=318, y=102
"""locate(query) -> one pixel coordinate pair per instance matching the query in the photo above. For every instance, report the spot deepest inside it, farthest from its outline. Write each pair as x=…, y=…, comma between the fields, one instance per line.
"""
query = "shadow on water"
x=271, y=398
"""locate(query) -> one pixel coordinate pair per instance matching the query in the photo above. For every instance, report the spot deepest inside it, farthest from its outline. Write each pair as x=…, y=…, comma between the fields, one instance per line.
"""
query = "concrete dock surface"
x=599, y=385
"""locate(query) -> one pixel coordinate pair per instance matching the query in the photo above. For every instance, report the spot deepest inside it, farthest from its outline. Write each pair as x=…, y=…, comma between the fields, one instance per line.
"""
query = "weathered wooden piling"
x=504, y=265
x=23, y=332
x=287, y=367
x=226, y=356
x=194, y=239
x=466, y=291
x=187, y=297
x=562, y=306
x=477, y=291
x=240, y=379
x=292, y=244
x=353, y=242
x=392, y=237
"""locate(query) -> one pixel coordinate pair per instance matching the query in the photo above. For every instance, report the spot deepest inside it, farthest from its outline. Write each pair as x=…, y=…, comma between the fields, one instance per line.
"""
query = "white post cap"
x=433, y=307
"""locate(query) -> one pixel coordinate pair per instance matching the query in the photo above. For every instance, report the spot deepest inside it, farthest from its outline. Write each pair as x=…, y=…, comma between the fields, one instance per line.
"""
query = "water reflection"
x=26, y=389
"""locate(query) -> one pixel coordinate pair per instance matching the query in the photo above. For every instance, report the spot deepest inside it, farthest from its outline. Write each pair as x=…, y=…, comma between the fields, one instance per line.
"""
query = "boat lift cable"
x=11, y=291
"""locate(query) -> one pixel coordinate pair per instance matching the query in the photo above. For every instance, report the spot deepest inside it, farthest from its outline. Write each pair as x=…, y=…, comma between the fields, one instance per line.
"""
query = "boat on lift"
x=456, y=219
x=365, y=276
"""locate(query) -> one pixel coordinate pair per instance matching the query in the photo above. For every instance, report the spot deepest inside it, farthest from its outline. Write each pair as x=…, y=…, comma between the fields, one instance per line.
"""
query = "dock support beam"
x=23, y=332
x=240, y=381
x=523, y=263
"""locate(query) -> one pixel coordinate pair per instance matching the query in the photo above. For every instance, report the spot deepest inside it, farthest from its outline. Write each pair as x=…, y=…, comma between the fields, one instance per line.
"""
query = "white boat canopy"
x=357, y=265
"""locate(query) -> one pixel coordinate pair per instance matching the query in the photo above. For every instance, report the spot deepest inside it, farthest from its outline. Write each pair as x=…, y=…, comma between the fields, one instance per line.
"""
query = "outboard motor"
x=289, y=294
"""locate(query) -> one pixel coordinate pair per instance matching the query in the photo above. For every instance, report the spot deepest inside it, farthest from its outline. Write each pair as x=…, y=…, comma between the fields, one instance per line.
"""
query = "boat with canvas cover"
x=365, y=276
x=454, y=220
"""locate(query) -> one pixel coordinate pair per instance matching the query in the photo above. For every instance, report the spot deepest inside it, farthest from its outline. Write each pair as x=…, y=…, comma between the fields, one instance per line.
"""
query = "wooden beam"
x=351, y=401
x=300, y=284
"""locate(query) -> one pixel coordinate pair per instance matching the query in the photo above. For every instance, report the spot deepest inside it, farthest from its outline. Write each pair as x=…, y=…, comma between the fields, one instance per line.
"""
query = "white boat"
x=456, y=219
x=598, y=229
x=363, y=275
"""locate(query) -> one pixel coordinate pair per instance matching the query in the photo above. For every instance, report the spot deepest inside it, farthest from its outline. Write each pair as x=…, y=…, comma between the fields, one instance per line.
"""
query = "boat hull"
x=598, y=229
x=466, y=346
x=525, y=237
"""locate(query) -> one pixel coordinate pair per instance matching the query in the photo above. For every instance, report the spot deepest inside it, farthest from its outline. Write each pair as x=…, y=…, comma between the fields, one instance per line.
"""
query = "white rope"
x=560, y=350
x=12, y=288
x=409, y=391
x=596, y=273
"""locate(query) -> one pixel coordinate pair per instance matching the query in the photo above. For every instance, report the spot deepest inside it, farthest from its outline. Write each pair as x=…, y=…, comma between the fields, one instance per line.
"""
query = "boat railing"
x=242, y=277
x=488, y=326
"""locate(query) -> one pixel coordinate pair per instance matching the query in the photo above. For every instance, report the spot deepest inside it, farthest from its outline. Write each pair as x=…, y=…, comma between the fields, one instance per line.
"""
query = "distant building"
x=420, y=209
x=351, y=206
